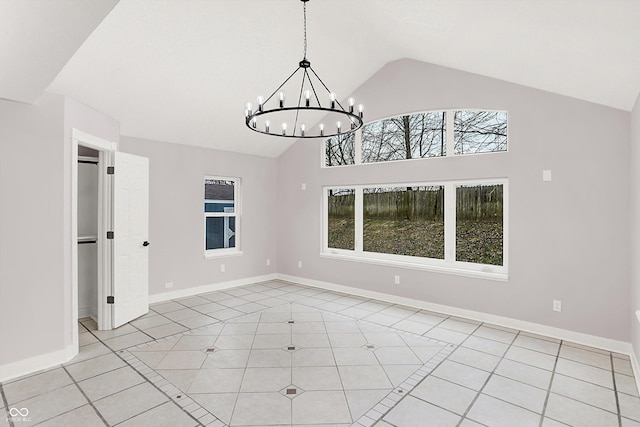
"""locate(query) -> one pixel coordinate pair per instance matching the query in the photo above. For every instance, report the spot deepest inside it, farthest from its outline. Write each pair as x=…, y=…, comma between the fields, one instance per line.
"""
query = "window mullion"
x=358, y=147
x=358, y=212
x=450, y=222
x=450, y=133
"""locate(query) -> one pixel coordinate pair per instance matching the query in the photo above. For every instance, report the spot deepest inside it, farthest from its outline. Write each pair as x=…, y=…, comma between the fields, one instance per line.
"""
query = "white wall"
x=569, y=238
x=176, y=214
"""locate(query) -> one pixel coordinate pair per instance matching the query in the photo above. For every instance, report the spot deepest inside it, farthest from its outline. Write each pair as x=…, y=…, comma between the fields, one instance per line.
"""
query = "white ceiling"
x=181, y=70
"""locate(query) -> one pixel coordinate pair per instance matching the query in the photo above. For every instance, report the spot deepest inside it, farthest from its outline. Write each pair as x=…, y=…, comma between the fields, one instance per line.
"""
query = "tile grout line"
x=491, y=374
x=615, y=390
x=553, y=374
x=6, y=405
x=397, y=397
x=119, y=354
x=85, y=396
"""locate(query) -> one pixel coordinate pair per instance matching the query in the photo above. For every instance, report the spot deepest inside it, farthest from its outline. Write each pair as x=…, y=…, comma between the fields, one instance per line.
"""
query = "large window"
x=453, y=226
x=221, y=215
x=420, y=135
x=404, y=221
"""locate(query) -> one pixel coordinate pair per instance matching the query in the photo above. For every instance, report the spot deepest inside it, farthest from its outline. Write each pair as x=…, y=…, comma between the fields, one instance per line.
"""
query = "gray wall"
x=569, y=238
x=32, y=257
x=176, y=227
x=635, y=225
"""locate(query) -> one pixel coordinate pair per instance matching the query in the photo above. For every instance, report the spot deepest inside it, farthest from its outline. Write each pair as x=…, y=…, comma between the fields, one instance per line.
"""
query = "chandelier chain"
x=304, y=11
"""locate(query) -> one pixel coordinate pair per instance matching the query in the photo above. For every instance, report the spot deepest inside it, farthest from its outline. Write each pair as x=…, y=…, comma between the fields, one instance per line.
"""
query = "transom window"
x=420, y=135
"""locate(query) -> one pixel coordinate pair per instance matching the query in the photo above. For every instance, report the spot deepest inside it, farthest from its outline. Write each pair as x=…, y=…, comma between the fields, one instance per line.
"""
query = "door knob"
x=146, y=243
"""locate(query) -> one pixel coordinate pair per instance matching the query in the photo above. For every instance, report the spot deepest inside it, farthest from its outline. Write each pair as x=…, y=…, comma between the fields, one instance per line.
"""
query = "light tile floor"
x=277, y=353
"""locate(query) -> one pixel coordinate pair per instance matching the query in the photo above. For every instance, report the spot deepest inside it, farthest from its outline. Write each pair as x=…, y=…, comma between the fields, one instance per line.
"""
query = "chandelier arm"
x=314, y=90
x=325, y=86
x=283, y=83
x=295, y=122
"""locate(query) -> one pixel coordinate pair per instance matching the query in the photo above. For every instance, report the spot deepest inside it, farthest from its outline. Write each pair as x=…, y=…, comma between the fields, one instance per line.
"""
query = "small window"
x=480, y=132
x=341, y=219
x=221, y=214
x=404, y=221
x=340, y=150
x=411, y=136
x=479, y=224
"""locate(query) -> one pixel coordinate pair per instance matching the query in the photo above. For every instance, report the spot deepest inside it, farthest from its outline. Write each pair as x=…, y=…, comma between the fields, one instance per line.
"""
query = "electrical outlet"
x=168, y=285
x=396, y=279
x=222, y=268
x=557, y=305
x=638, y=315
x=268, y=261
x=299, y=264
x=546, y=175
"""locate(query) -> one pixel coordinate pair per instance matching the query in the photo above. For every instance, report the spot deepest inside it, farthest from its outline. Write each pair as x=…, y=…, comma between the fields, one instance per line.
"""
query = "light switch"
x=546, y=175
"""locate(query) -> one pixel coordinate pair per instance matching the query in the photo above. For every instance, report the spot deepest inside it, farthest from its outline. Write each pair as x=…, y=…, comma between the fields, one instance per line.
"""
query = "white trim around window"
x=227, y=213
x=447, y=265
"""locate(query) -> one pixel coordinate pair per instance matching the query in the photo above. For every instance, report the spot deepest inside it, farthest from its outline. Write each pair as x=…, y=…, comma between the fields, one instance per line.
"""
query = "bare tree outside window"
x=405, y=137
x=480, y=132
x=339, y=150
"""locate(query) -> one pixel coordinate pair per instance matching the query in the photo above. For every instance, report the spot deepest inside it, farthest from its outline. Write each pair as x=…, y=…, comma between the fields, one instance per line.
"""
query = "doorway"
x=91, y=218
x=109, y=233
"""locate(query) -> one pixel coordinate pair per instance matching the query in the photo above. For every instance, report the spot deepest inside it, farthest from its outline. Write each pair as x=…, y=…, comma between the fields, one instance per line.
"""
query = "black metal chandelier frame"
x=352, y=120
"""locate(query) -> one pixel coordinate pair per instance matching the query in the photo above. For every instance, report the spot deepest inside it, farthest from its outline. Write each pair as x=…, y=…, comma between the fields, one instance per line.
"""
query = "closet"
x=87, y=233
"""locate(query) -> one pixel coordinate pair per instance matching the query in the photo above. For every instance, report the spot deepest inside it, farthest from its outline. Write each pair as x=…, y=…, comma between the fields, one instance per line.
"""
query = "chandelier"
x=273, y=116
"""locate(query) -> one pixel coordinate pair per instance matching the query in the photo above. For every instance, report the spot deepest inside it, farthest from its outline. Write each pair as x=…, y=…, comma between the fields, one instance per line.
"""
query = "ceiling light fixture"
x=309, y=109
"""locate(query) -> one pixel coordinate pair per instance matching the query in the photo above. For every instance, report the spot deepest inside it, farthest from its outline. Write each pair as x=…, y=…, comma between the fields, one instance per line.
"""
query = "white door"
x=130, y=240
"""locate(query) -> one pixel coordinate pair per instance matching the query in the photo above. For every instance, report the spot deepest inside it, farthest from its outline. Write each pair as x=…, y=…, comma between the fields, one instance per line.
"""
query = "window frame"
x=237, y=214
x=449, y=140
x=447, y=265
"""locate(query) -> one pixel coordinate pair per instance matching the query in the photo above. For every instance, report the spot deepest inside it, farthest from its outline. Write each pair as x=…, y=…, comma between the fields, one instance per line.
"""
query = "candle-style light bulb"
x=360, y=110
x=260, y=103
x=284, y=129
x=307, y=98
x=321, y=129
x=338, y=126
x=332, y=98
x=266, y=126
x=303, y=127
x=254, y=122
x=249, y=109
x=281, y=98
x=351, y=102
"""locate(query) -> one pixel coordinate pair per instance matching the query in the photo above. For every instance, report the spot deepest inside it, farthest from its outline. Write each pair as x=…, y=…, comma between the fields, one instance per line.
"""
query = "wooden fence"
x=479, y=202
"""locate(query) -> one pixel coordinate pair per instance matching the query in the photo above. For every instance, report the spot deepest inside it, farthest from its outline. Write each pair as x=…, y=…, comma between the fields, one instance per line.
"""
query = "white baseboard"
x=31, y=365
x=86, y=312
x=549, y=331
x=189, y=292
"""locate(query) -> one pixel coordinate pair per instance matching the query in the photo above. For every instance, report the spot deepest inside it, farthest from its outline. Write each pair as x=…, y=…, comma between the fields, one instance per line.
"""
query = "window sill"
x=212, y=254
x=490, y=275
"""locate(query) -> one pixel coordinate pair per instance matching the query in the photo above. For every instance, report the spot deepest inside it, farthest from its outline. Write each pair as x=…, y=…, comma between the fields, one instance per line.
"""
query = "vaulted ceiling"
x=181, y=70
